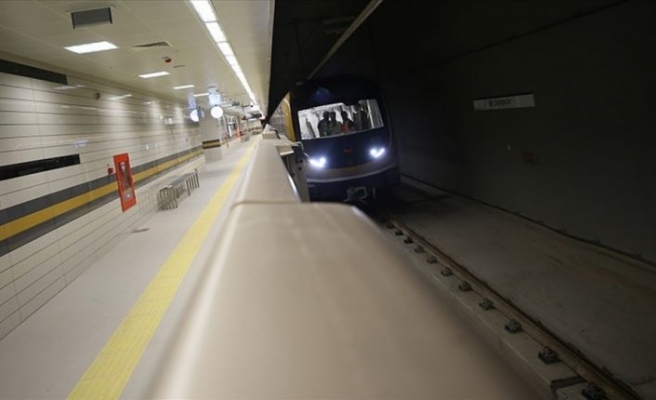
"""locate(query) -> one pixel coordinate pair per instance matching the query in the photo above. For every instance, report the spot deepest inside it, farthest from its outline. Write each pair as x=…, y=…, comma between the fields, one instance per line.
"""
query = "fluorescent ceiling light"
x=183, y=87
x=204, y=10
x=232, y=60
x=120, y=97
x=226, y=49
x=68, y=87
x=216, y=32
x=154, y=74
x=91, y=47
x=201, y=94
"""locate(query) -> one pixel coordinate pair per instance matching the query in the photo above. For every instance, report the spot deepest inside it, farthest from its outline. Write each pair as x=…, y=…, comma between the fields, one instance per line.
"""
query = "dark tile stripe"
x=32, y=72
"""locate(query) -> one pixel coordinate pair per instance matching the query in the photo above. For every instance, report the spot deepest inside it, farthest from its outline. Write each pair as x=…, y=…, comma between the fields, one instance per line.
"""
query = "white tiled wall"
x=40, y=120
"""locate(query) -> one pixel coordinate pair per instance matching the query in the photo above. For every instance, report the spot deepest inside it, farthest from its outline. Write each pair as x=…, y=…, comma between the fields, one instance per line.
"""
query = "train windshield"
x=339, y=119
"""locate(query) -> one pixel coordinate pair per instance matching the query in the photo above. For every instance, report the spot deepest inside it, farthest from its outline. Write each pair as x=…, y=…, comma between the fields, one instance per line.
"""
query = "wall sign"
x=497, y=103
x=124, y=180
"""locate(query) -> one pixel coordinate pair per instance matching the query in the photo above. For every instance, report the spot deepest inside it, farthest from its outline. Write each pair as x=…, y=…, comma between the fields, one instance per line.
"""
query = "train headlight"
x=377, y=152
x=318, y=162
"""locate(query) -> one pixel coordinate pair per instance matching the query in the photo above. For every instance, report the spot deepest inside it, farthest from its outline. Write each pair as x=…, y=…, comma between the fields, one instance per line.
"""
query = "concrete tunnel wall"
x=582, y=161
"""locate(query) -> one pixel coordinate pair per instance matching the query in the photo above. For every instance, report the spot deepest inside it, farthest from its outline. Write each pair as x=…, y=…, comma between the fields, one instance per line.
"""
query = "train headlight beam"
x=377, y=152
x=318, y=162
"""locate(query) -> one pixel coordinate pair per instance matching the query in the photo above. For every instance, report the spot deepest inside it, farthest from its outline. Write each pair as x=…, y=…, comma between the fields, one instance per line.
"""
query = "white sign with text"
x=497, y=103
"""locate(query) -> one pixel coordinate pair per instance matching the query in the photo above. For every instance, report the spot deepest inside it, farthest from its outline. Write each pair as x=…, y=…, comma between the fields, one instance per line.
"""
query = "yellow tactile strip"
x=110, y=371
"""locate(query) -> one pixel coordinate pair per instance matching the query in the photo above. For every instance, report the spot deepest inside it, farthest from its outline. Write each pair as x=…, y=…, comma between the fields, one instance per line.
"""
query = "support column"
x=210, y=135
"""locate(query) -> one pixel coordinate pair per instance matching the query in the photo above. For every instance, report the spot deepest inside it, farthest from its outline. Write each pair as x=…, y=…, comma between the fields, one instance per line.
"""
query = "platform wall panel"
x=52, y=228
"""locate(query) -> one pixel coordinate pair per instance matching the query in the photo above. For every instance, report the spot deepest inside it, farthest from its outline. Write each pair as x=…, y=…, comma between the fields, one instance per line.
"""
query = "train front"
x=342, y=125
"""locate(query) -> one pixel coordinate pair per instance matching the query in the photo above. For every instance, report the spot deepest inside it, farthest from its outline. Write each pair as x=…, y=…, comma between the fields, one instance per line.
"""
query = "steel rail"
x=567, y=354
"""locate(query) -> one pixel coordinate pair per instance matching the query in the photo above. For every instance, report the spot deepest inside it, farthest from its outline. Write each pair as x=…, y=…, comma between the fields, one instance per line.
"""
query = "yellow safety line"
x=109, y=373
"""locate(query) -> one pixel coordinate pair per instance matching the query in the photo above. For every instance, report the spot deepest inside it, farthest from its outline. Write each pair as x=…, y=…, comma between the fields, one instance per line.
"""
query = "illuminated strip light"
x=125, y=96
x=232, y=61
x=205, y=11
x=154, y=75
x=226, y=49
x=91, y=47
x=216, y=32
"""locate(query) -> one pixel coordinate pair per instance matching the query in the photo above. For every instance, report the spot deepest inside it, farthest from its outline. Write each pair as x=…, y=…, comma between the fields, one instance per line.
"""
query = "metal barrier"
x=310, y=300
x=167, y=197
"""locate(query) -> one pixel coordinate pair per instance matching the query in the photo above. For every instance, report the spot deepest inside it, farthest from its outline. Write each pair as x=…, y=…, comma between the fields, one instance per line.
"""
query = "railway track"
x=554, y=367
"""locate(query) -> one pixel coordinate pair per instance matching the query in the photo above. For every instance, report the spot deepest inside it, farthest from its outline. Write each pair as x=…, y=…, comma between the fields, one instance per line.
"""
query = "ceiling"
x=38, y=30
x=399, y=38
x=276, y=46
x=304, y=32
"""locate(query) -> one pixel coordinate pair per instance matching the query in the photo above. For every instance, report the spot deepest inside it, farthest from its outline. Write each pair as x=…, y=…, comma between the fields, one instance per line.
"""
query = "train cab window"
x=339, y=119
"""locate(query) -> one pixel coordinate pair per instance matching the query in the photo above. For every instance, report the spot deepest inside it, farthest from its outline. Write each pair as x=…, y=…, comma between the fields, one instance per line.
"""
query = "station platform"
x=110, y=327
x=47, y=355
x=108, y=332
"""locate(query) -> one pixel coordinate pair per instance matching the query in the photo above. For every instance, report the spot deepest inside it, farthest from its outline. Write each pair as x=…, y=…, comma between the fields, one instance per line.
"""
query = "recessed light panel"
x=232, y=61
x=226, y=49
x=204, y=9
x=206, y=13
x=91, y=47
x=119, y=97
x=216, y=32
x=154, y=75
x=183, y=87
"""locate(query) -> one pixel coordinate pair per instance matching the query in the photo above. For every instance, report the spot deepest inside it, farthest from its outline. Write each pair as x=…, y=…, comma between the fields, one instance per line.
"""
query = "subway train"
x=344, y=131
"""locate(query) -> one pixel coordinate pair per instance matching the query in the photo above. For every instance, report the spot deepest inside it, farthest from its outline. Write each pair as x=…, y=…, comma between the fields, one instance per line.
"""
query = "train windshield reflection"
x=339, y=119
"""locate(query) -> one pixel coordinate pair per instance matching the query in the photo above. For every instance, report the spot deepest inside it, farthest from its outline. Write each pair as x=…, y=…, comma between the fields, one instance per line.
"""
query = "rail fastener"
x=593, y=392
x=513, y=326
x=548, y=356
x=486, y=304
